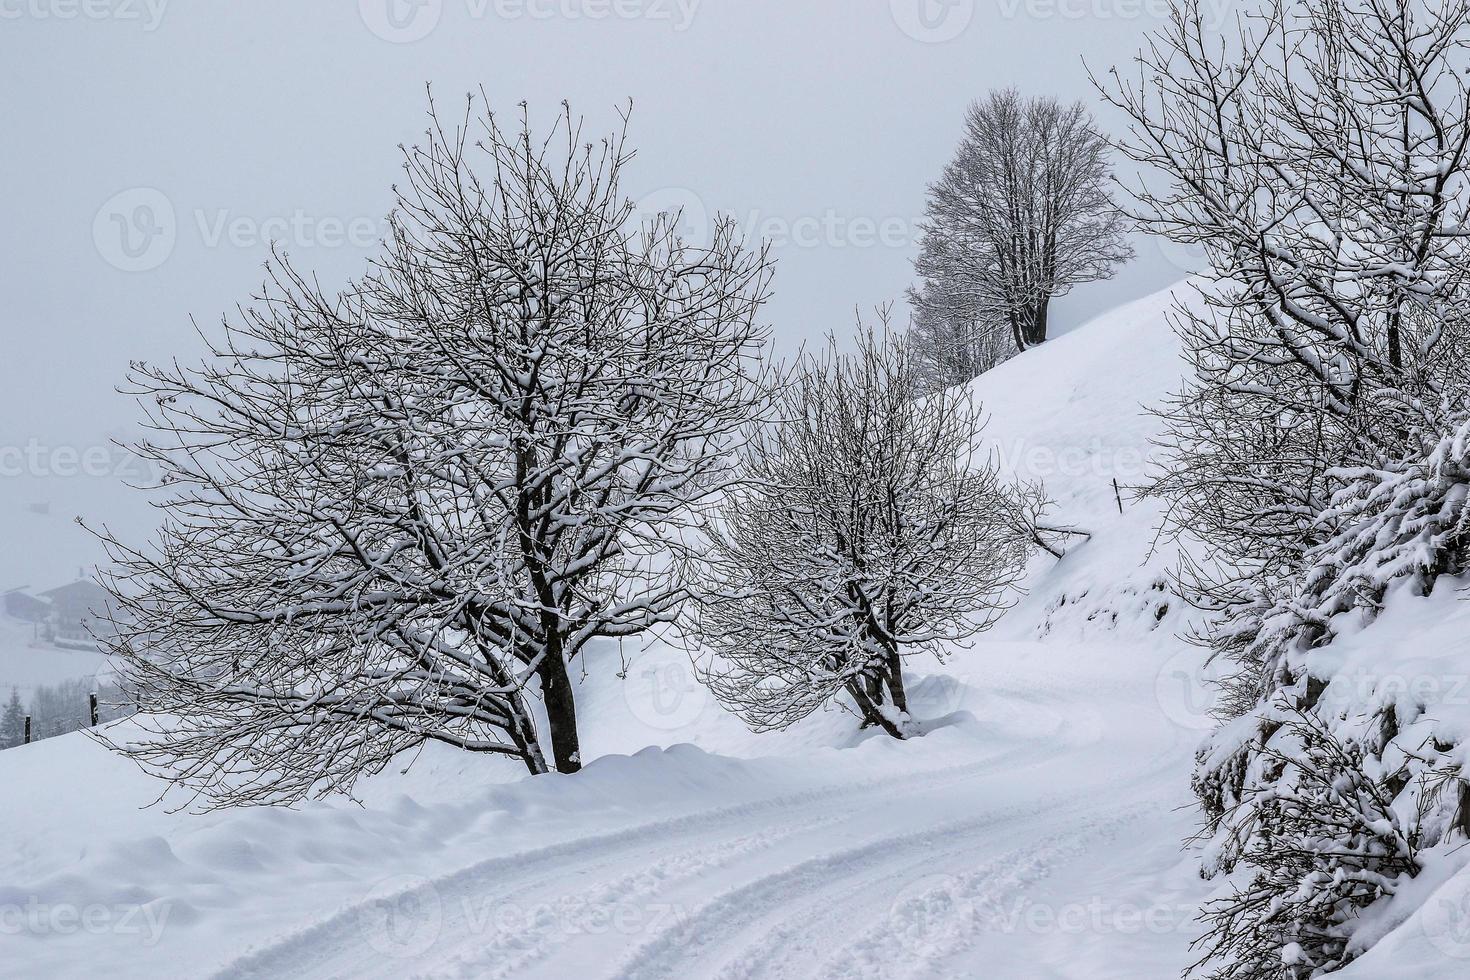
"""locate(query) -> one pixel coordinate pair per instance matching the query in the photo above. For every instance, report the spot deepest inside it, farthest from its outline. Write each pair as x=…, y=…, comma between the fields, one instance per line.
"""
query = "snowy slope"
x=1035, y=832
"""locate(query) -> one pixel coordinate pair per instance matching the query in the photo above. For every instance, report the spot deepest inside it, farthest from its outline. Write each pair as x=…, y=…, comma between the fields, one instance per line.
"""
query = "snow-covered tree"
x=1320, y=157
x=866, y=531
x=400, y=513
x=1018, y=217
x=12, y=721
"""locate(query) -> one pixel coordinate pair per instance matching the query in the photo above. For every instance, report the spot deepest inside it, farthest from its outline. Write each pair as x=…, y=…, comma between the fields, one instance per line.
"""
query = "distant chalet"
x=60, y=614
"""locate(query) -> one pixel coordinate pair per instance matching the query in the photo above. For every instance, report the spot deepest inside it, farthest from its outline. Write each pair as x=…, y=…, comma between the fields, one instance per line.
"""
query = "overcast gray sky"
x=153, y=148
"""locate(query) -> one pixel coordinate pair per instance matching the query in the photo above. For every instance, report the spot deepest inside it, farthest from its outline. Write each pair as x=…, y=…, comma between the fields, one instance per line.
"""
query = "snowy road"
x=1041, y=858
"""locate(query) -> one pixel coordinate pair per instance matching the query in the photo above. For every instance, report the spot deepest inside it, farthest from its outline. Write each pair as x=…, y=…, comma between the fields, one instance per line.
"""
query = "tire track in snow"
x=679, y=950
x=936, y=923
x=318, y=949
x=931, y=925
x=798, y=942
x=555, y=921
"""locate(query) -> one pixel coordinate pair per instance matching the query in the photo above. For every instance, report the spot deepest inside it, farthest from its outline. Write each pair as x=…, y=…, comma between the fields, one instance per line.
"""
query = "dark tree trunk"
x=561, y=713
x=1018, y=330
x=894, y=677
x=867, y=695
x=1038, y=322
x=1028, y=324
x=1461, y=820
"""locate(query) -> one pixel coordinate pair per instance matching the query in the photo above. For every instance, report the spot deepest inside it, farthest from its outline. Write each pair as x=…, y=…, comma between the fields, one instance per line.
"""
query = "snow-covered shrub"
x=1305, y=791
x=1319, y=839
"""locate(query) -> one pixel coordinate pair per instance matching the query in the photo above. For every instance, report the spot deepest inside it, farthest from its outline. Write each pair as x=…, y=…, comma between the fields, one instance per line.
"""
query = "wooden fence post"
x=28, y=729
x=92, y=703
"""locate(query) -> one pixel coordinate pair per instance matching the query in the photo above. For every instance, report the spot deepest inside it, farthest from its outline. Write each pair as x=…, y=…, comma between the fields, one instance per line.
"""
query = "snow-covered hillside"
x=1034, y=832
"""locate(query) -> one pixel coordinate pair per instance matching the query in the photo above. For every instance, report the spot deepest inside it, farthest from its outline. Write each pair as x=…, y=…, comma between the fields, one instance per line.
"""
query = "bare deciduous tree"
x=1020, y=216
x=948, y=348
x=1320, y=159
x=866, y=530
x=397, y=514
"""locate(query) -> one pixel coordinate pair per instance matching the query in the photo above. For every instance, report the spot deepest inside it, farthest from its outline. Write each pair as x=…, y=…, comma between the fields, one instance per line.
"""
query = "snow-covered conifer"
x=12, y=721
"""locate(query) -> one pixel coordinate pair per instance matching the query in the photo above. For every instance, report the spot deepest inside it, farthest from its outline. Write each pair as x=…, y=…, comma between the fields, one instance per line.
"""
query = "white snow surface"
x=1035, y=831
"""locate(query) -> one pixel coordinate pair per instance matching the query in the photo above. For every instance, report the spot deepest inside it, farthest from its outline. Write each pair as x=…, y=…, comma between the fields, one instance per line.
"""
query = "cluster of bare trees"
x=1320, y=156
x=1019, y=216
x=403, y=511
